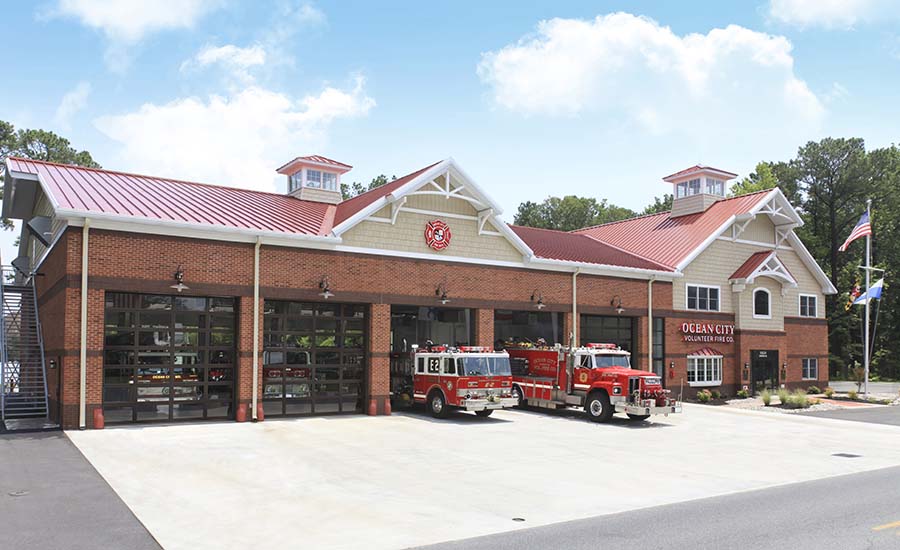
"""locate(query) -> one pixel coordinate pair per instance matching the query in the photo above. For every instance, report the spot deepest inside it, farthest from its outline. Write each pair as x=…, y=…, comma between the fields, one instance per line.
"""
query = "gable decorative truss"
x=768, y=266
x=444, y=179
x=786, y=219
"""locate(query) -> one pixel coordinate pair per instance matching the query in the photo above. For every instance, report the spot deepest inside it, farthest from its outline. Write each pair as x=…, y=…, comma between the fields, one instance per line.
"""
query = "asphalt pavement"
x=874, y=415
x=51, y=497
x=856, y=511
x=874, y=387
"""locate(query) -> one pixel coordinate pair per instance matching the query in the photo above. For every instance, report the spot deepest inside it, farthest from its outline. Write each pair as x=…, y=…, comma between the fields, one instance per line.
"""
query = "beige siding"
x=716, y=264
x=693, y=204
x=760, y=230
x=407, y=235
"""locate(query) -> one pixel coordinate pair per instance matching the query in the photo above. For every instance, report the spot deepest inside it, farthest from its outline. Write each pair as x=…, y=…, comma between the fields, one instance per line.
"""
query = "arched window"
x=762, y=304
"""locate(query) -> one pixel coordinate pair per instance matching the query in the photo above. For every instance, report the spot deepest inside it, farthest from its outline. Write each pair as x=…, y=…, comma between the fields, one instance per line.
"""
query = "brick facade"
x=144, y=263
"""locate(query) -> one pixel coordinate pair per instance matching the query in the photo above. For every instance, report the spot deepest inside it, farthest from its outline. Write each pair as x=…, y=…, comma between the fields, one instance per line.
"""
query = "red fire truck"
x=597, y=377
x=471, y=378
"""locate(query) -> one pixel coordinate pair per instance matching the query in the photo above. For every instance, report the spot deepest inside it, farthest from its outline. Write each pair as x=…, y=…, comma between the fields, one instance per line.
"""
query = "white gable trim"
x=811, y=264
x=429, y=183
x=772, y=267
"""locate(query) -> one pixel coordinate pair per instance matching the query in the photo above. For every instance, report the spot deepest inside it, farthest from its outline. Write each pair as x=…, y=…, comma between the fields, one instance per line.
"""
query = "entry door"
x=764, y=368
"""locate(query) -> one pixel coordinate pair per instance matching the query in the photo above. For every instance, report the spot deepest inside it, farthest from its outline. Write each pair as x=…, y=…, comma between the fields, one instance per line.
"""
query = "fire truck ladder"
x=23, y=376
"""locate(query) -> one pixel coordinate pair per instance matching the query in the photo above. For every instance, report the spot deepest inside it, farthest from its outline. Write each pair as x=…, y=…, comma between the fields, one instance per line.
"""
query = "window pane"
x=760, y=303
x=713, y=299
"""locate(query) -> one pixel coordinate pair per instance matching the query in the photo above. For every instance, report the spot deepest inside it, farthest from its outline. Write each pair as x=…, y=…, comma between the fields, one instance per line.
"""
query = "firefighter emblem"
x=437, y=234
x=583, y=377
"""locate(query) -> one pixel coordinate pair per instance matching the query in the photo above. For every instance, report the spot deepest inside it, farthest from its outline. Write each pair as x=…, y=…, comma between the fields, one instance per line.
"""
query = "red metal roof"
x=706, y=352
x=318, y=159
x=753, y=262
x=91, y=190
x=697, y=168
x=666, y=240
x=351, y=206
x=571, y=247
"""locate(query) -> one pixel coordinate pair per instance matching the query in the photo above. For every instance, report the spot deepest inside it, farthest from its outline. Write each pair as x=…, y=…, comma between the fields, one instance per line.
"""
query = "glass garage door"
x=168, y=357
x=314, y=358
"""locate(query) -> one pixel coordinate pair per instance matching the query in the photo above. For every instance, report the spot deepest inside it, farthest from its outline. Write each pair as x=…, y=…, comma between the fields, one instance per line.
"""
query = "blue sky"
x=532, y=98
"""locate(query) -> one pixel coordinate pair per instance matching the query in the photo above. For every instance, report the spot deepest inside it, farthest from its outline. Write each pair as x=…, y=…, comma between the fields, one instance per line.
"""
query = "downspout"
x=574, y=339
x=650, y=323
x=255, y=326
x=82, y=380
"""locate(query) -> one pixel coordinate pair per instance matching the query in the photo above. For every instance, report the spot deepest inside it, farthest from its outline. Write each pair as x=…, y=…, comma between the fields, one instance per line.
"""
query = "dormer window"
x=688, y=188
x=715, y=187
x=315, y=178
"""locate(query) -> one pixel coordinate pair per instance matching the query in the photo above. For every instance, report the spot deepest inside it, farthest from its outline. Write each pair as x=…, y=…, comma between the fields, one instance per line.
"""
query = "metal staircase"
x=23, y=376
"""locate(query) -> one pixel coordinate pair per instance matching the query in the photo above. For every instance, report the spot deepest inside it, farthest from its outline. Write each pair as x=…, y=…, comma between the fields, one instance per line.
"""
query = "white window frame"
x=815, y=309
x=295, y=180
x=699, y=286
x=314, y=184
x=690, y=188
x=715, y=186
x=805, y=364
x=716, y=368
x=329, y=181
x=753, y=304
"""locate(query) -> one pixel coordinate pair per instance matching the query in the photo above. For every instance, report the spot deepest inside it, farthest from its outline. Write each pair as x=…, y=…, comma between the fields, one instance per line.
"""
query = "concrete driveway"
x=408, y=480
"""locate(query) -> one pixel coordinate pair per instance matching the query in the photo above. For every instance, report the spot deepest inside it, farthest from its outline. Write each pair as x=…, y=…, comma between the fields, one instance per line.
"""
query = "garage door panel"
x=168, y=357
x=314, y=361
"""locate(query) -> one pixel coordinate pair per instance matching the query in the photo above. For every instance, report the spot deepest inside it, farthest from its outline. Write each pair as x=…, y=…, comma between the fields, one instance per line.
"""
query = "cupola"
x=315, y=178
x=697, y=188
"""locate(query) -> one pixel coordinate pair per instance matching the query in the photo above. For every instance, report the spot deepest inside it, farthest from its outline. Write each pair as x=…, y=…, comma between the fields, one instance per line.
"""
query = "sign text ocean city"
x=707, y=332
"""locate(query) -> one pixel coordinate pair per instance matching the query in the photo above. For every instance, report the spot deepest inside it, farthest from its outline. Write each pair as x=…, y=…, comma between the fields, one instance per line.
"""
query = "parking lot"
x=407, y=480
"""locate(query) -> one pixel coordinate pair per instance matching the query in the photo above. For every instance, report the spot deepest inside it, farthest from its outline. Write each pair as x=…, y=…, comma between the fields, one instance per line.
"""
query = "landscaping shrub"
x=743, y=394
x=813, y=389
x=797, y=400
x=783, y=395
x=716, y=394
x=704, y=396
x=853, y=394
x=829, y=392
x=766, y=397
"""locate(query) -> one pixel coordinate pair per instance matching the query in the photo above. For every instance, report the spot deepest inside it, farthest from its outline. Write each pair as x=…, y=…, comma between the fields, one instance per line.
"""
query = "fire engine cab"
x=597, y=377
x=471, y=378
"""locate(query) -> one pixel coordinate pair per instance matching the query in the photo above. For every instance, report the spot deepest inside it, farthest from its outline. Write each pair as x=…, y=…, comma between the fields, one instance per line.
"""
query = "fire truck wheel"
x=517, y=393
x=484, y=414
x=638, y=417
x=598, y=407
x=438, y=405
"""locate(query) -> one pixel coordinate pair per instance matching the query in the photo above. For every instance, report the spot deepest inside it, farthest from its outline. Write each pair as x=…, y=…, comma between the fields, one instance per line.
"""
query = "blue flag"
x=873, y=293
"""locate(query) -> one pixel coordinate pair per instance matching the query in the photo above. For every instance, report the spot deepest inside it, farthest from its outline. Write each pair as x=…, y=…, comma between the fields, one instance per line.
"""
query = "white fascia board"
x=183, y=229
x=811, y=264
x=708, y=241
x=776, y=194
x=603, y=269
x=377, y=205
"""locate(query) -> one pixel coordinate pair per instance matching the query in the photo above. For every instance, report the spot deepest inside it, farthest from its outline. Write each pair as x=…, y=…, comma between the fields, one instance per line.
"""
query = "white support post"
x=866, y=357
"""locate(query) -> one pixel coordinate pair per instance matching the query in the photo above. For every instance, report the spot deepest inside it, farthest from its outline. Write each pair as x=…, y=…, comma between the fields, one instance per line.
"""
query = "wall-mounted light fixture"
x=746, y=375
x=616, y=302
x=441, y=293
x=671, y=370
x=179, y=280
x=538, y=299
x=784, y=371
x=325, y=288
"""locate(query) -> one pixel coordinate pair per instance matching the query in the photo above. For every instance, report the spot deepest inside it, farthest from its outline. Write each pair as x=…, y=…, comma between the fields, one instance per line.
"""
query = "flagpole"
x=868, y=300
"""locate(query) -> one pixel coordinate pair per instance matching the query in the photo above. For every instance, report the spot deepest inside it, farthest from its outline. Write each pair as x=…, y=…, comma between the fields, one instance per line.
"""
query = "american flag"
x=862, y=229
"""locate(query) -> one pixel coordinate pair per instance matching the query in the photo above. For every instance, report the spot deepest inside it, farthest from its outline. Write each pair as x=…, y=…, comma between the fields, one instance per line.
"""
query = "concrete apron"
x=406, y=480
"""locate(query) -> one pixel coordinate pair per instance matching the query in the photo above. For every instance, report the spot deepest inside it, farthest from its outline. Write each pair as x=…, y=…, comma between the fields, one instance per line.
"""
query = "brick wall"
x=145, y=263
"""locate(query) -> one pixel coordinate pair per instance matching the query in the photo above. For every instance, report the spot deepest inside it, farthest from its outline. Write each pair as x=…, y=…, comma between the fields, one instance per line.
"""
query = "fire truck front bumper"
x=485, y=404
x=673, y=407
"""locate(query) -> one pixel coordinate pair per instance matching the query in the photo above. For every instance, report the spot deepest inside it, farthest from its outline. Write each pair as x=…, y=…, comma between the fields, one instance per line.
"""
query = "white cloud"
x=724, y=82
x=234, y=59
x=833, y=14
x=125, y=22
x=74, y=101
x=236, y=140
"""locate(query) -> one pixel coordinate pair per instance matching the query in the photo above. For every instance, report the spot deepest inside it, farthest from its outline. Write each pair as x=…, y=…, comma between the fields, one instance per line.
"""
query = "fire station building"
x=165, y=300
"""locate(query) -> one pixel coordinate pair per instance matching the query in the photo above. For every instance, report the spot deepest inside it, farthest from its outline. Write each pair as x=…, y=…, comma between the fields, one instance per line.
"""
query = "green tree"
x=38, y=145
x=659, y=205
x=569, y=213
x=348, y=191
